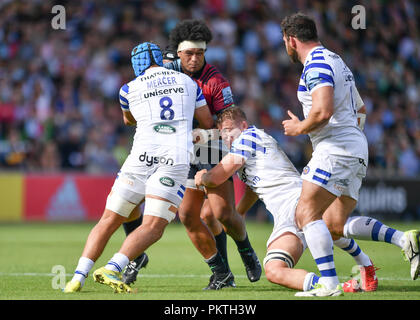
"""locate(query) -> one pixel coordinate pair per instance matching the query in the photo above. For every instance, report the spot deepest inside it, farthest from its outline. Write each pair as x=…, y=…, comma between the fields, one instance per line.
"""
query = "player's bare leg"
x=203, y=240
x=144, y=236
x=216, y=228
x=222, y=203
x=367, y=228
x=279, y=267
x=335, y=218
x=133, y=222
x=208, y=217
x=95, y=244
x=101, y=233
x=160, y=212
x=336, y=215
x=313, y=202
x=198, y=232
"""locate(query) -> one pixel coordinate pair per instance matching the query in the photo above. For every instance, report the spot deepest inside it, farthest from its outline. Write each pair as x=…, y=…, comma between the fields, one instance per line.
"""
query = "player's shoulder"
x=322, y=55
x=125, y=88
x=212, y=76
x=253, y=133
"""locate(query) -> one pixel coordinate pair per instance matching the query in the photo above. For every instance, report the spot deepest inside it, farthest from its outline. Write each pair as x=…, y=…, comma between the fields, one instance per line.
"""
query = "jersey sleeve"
x=317, y=75
x=123, y=98
x=200, y=100
x=222, y=96
x=247, y=145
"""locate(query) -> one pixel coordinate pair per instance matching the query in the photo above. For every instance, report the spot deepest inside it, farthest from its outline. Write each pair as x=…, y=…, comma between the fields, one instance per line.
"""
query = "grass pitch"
x=31, y=254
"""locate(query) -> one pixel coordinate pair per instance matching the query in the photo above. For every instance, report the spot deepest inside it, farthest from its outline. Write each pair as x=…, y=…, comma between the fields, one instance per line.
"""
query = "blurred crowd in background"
x=59, y=108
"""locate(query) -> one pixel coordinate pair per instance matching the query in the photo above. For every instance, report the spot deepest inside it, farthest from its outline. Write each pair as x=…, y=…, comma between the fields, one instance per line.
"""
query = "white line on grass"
x=34, y=274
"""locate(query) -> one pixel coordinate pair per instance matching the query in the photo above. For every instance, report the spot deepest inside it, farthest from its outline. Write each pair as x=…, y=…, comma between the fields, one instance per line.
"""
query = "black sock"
x=221, y=245
x=244, y=245
x=217, y=264
x=132, y=225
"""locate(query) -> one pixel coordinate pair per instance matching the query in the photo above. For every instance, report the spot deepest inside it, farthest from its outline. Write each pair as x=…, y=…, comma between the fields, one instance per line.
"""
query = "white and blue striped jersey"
x=267, y=169
x=163, y=103
x=341, y=135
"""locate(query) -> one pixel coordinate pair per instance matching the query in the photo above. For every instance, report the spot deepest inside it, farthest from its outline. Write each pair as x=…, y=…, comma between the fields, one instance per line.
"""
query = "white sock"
x=366, y=228
x=319, y=241
x=310, y=280
x=118, y=262
x=352, y=248
x=82, y=269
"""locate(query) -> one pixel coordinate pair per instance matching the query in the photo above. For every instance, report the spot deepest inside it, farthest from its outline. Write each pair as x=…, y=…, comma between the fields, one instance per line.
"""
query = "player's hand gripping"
x=198, y=177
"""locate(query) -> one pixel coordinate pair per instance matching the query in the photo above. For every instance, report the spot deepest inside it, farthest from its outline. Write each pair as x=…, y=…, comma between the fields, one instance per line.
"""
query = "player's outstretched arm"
x=247, y=201
x=220, y=173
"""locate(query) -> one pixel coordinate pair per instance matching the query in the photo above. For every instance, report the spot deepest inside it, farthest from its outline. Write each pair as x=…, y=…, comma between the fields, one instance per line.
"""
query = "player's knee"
x=206, y=214
x=189, y=219
x=275, y=271
x=111, y=219
x=223, y=212
x=153, y=231
x=335, y=228
x=306, y=214
x=158, y=233
x=275, y=264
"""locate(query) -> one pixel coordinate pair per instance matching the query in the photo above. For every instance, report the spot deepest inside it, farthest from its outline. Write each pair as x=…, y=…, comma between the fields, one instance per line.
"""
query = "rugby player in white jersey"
x=162, y=104
x=333, y=176
x=271, y=177
x=205, y=216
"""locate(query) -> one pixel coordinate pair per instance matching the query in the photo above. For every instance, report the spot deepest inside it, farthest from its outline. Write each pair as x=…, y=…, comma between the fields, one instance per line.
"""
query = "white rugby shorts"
x=167, y=182
x=285, y=221
x=340, y=175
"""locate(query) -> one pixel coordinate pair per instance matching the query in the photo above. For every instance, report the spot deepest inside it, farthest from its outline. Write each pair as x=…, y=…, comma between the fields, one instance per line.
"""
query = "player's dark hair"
x=233, y=113
x=301, y=26
x=190, y=29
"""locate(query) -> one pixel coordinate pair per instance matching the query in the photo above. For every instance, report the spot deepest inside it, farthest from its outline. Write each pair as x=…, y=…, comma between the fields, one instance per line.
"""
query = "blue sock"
x=366, y=228
x=351, y=247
